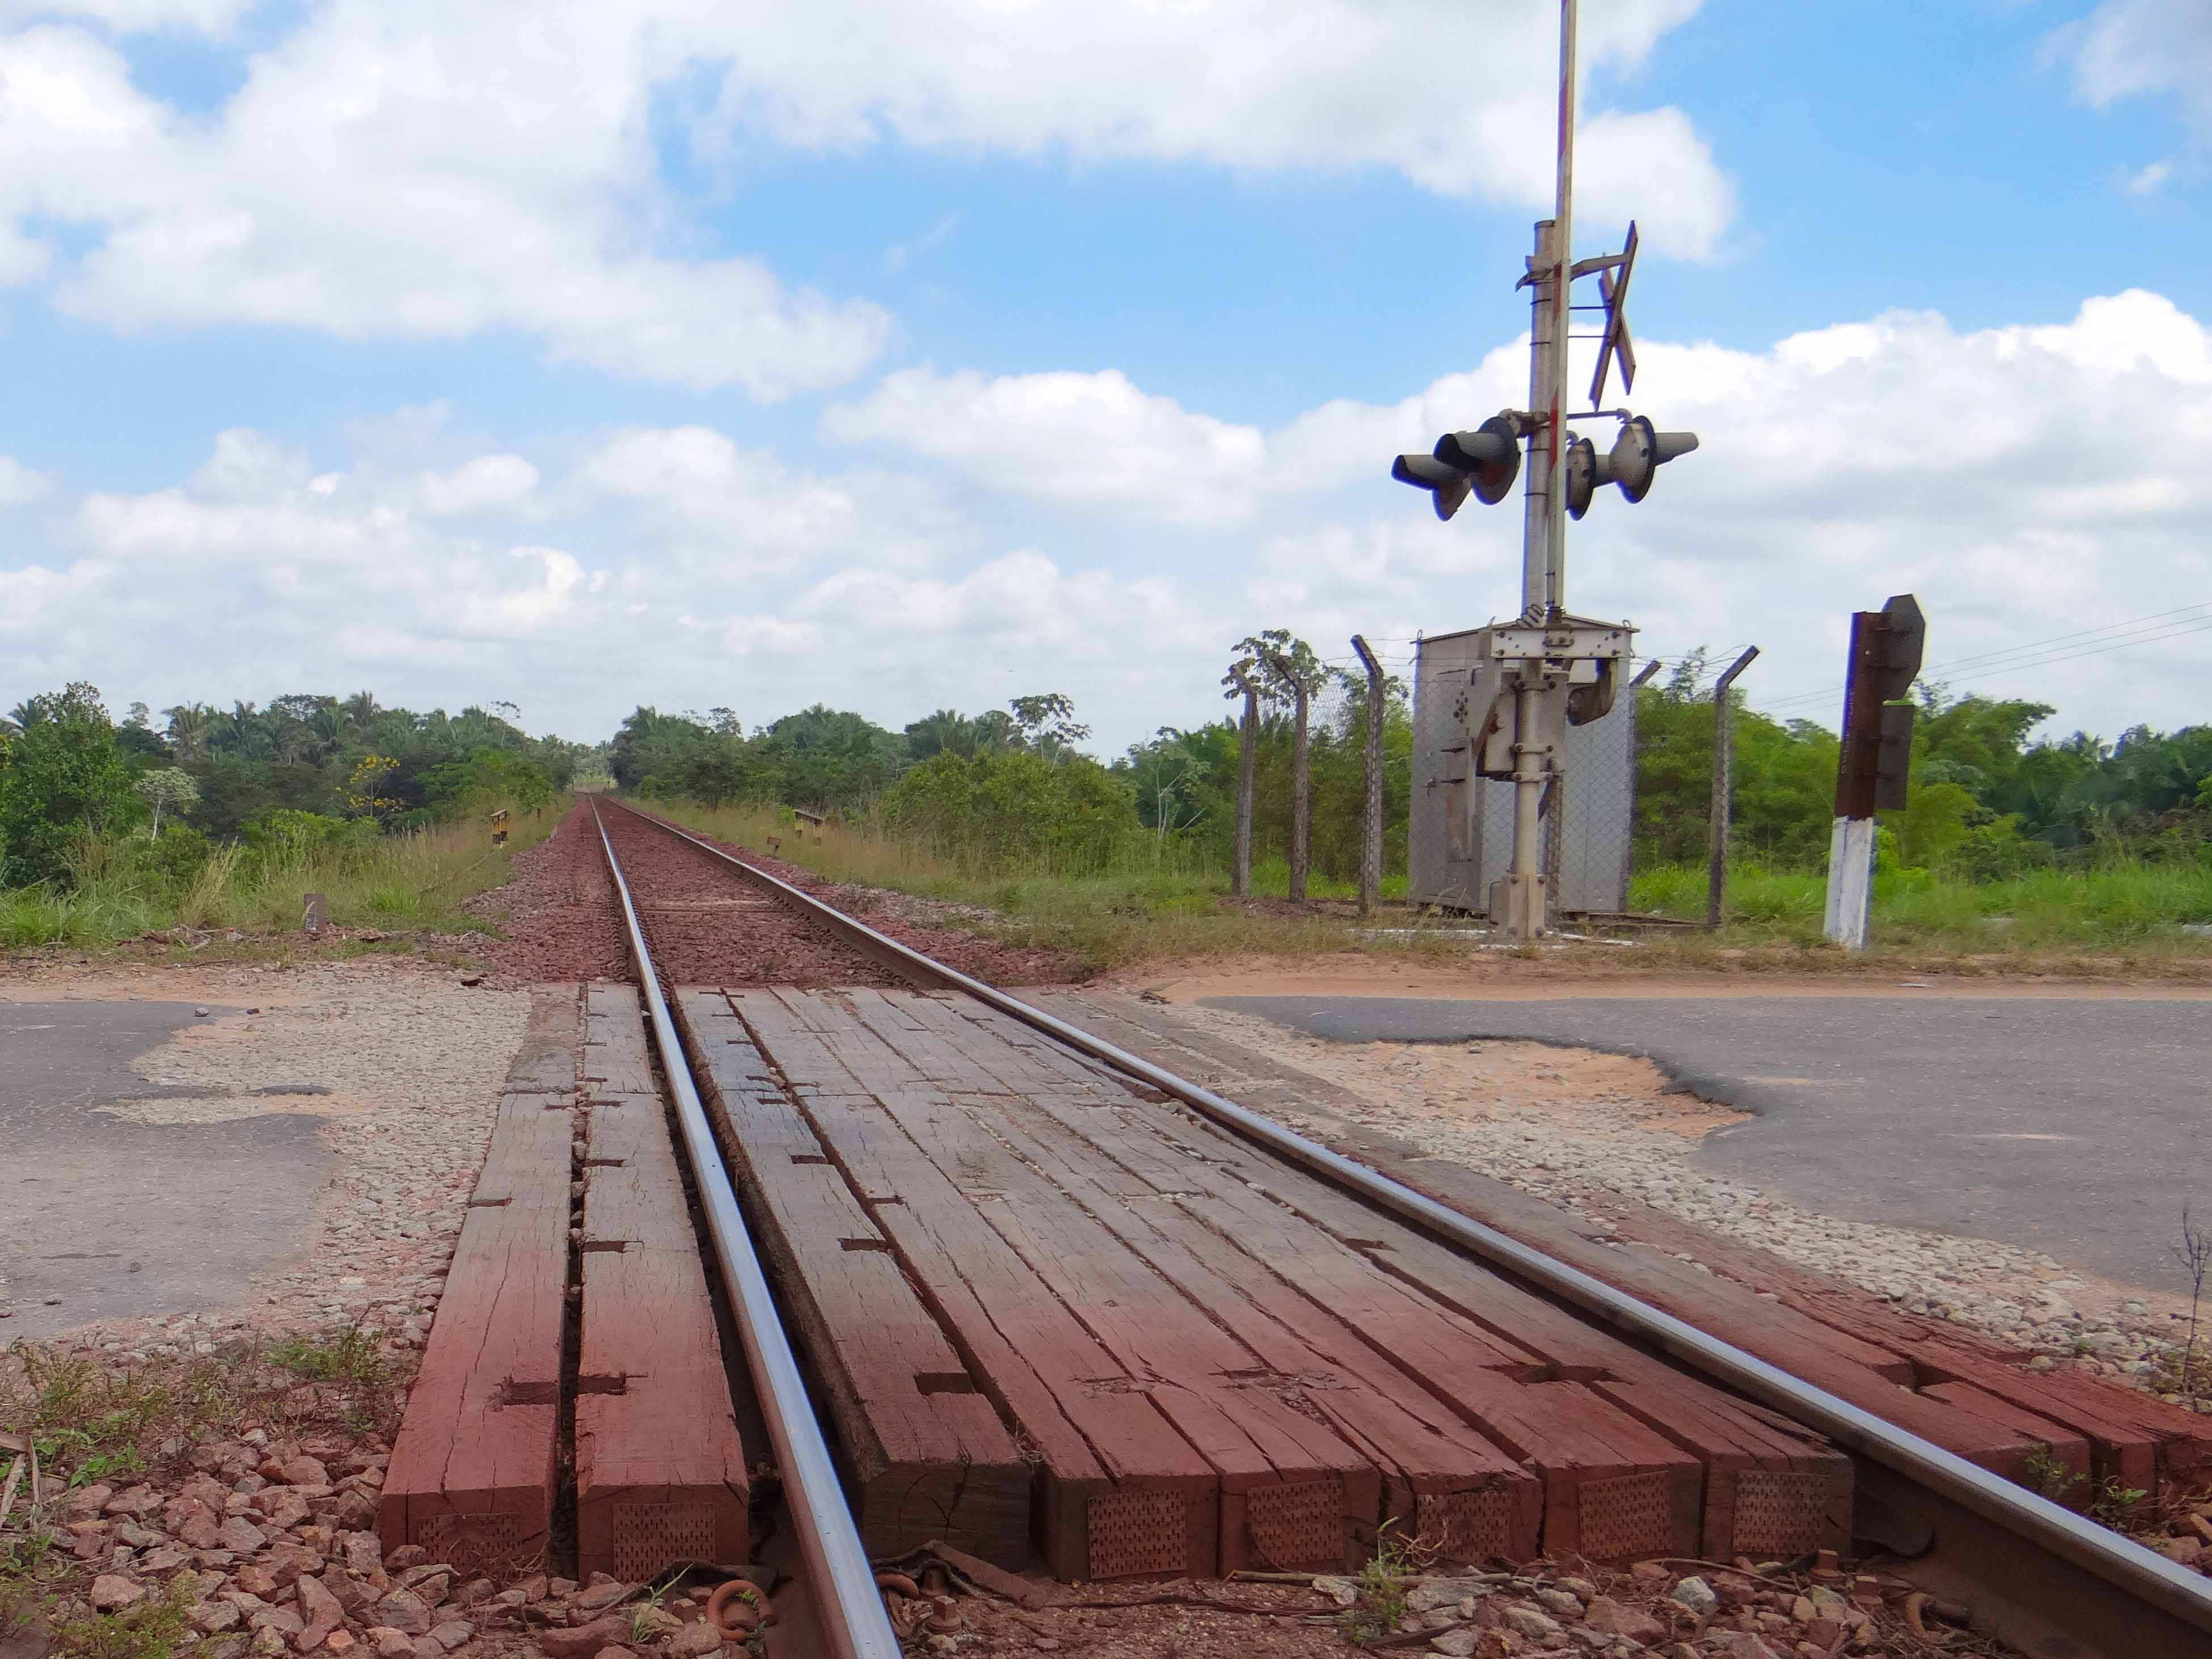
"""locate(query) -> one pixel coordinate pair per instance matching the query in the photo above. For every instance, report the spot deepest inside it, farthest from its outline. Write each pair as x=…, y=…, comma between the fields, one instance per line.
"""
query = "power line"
x=2036, y=654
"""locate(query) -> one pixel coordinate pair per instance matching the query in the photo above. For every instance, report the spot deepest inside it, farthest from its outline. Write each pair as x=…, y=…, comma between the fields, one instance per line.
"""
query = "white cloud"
x=19, y=484
x=490, y=483
x=1098, y=441
x=2145, y=181
x=737, y=512
x=255, y=540
x=402, y=170
x=1456, y=94
x=132, y=16
x=1087, y=440
x=2134, y=48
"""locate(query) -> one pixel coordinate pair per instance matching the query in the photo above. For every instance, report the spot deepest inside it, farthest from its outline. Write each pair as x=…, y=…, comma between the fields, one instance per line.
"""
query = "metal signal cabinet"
x=1460, y=826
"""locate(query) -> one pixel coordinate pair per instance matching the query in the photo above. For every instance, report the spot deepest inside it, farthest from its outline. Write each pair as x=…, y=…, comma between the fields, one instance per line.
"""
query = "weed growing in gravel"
x=32, y=1572
x=89, y=1423
x=2043, y=1473
x=152, y=1630
x=2194, y=1253
x=353, y=1359
x=2115, y=1504
x=1382, y=1586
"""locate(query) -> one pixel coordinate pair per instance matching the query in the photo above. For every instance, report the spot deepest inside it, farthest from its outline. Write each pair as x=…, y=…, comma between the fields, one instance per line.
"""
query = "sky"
x=917, y=354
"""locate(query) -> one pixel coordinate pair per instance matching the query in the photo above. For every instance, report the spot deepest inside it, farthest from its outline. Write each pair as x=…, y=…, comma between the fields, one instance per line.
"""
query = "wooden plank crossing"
x=660, y=1475
x=1215, y=1361
x=473, y=1472
x=1444, y=1303
x=1969, y=1396
x=928, y=1454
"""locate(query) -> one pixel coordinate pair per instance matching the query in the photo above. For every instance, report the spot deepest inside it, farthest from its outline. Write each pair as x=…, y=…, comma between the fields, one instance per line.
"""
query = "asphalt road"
x=2077, y=1126
x=101, y=1217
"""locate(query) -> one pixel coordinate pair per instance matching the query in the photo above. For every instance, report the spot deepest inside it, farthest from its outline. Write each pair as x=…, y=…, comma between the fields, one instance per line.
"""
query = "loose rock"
x=111, y=1593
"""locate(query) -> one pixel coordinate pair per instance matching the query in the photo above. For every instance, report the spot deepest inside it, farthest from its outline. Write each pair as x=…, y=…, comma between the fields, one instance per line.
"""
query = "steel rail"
x=851, y=1608
x=2181, y=1597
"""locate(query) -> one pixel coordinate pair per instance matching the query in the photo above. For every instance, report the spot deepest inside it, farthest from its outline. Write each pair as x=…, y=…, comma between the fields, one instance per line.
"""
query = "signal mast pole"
x=1544, y=535
x=1551, y=670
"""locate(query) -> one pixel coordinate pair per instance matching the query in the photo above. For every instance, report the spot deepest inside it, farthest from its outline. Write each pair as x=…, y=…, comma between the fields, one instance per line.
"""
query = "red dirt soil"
x=705, y=924
x=563, y=923
x=994, y=961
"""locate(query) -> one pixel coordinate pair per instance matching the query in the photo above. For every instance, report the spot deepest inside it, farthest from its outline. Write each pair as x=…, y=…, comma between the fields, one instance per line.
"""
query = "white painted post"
x=1850, y=882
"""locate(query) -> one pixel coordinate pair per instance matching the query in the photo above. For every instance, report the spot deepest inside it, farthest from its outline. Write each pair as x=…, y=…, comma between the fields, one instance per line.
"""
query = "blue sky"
x=911, y=355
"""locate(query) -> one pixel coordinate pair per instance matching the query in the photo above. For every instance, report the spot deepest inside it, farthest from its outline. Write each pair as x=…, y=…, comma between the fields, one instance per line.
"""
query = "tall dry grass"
x=413, y=881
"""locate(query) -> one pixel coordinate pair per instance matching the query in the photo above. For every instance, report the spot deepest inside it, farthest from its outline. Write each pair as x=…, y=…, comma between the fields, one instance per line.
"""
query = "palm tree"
x=190, y=726
x=947, y=729
x=359, y=709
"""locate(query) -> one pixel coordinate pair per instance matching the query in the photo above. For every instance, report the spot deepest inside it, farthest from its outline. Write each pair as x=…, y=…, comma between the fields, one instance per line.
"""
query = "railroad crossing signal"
x=1636, y=454
x=1484, y=462
x=1558, y=664
x=1613, y=293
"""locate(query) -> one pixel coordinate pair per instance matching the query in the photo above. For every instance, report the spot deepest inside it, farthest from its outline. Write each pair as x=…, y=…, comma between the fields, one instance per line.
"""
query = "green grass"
x=410, y=882
x=1177, y=909
x=2126, y=907
x=1180, y=910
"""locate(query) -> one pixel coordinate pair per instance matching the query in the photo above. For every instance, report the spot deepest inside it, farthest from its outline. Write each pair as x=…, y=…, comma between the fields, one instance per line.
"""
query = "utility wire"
x=2037, y=653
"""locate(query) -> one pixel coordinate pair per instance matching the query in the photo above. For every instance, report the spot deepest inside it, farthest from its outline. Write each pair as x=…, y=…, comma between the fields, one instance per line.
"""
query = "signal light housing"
x=1483, y=463
x=1635, y=459
x=1639, y=452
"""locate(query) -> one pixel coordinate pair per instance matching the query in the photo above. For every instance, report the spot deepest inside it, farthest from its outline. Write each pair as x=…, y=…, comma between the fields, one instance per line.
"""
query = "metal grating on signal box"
x=1137, y=1530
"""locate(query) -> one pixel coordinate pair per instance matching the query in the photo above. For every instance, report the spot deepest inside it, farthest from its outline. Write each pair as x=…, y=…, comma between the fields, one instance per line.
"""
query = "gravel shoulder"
x=348, y=1106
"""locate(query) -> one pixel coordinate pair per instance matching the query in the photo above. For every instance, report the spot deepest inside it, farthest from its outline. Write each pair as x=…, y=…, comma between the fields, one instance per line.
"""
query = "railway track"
x=843, y=1245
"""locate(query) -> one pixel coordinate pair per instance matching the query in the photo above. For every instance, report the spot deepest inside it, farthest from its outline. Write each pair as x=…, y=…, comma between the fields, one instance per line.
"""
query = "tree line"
x=1988, y=800
x=306, y=769
x=1013, y=788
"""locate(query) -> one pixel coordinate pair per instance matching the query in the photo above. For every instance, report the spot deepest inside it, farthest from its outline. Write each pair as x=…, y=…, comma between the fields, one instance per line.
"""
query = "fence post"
x=1248, y=759
x=1717, y=828
x=1301, y=793
x=1286, y=673
x=1371, y=845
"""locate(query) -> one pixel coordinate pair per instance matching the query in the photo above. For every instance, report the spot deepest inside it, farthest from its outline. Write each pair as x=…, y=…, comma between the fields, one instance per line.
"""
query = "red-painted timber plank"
x=928, y=1456
x=1107, y=1454
x=660, y=1475
x=471, y=1475
x=1594, y=1454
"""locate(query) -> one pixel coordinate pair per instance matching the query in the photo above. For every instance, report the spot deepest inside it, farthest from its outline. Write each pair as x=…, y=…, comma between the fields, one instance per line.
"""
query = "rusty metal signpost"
x=1555, y=669
x=1875, y=758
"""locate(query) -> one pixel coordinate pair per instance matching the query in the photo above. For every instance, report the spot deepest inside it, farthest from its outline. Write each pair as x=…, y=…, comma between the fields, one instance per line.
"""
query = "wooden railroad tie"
x=660, y=1475
x=472, y=1476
